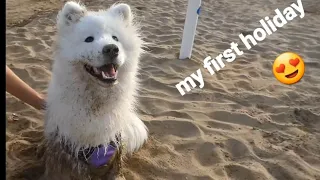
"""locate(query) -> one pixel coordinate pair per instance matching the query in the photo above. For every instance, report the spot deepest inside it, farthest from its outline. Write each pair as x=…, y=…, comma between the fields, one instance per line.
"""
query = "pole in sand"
x=189, y=30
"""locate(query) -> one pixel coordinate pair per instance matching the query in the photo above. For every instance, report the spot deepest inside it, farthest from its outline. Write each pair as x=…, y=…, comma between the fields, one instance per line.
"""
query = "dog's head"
x=103, y=45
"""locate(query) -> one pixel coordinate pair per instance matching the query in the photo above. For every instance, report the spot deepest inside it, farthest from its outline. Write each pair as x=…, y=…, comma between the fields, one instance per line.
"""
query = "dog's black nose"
x=110, y=50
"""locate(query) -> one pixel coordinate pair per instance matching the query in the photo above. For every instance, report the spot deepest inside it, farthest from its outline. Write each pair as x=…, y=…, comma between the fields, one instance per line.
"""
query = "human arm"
x=21, y=90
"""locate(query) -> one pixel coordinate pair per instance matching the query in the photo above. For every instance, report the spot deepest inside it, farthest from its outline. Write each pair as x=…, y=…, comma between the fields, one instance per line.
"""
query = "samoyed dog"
x=91, y=122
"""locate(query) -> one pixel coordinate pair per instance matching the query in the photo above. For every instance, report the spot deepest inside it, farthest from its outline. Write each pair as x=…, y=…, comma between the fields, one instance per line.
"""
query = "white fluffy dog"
x=90, y=119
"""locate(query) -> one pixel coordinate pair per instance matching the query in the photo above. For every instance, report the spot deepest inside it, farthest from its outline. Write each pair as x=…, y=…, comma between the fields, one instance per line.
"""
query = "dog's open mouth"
x=106, y=73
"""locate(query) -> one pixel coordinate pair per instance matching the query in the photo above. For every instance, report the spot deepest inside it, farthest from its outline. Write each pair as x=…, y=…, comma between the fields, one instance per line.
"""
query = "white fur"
x=85, y=113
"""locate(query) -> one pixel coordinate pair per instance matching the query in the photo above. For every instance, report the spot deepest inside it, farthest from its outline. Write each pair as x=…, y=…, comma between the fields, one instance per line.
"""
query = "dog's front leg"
x=136, y=134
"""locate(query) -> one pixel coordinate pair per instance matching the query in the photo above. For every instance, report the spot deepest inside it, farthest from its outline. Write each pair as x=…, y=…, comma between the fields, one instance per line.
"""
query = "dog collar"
x=102, y=155
x=98, y=156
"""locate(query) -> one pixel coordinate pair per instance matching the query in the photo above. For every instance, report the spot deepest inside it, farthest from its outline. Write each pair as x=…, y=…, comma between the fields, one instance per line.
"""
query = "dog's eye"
x=115, y=38
x=89, y=39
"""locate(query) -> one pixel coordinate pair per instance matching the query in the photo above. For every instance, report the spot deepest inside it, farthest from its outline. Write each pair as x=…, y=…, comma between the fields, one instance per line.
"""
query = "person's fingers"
x=43, y=105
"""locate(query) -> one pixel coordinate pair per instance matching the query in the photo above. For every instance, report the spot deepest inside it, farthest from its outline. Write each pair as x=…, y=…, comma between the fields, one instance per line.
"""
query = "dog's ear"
x=122, y=10
x=71, y=13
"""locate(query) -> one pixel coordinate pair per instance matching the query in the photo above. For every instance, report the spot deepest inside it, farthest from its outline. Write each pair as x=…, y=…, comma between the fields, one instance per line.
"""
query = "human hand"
x=41, y=105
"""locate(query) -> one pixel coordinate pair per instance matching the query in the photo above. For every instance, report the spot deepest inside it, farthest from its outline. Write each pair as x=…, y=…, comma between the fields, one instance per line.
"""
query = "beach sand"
x=242, y=125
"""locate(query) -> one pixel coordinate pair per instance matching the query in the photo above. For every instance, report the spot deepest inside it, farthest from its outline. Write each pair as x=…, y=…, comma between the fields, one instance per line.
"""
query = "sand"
x=243, y=125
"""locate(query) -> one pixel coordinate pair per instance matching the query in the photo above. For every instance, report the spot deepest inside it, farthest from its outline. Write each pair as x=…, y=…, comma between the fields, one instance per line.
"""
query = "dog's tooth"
x=103, y=75
x=96, y=70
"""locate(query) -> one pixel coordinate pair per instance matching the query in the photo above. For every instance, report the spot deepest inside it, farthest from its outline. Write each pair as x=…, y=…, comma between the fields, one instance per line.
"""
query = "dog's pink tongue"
x=109, y=70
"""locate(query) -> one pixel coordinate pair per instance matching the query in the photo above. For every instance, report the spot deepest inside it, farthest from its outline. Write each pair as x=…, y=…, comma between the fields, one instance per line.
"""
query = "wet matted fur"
x=62, y=165
x=47, y=159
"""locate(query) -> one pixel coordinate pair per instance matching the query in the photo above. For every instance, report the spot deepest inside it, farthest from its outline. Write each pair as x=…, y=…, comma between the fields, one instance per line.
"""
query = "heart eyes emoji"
x=288, y=68
x=280, y=69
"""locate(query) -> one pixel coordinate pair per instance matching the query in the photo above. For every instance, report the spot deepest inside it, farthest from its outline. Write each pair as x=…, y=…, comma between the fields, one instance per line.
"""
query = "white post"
x=189, y=30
